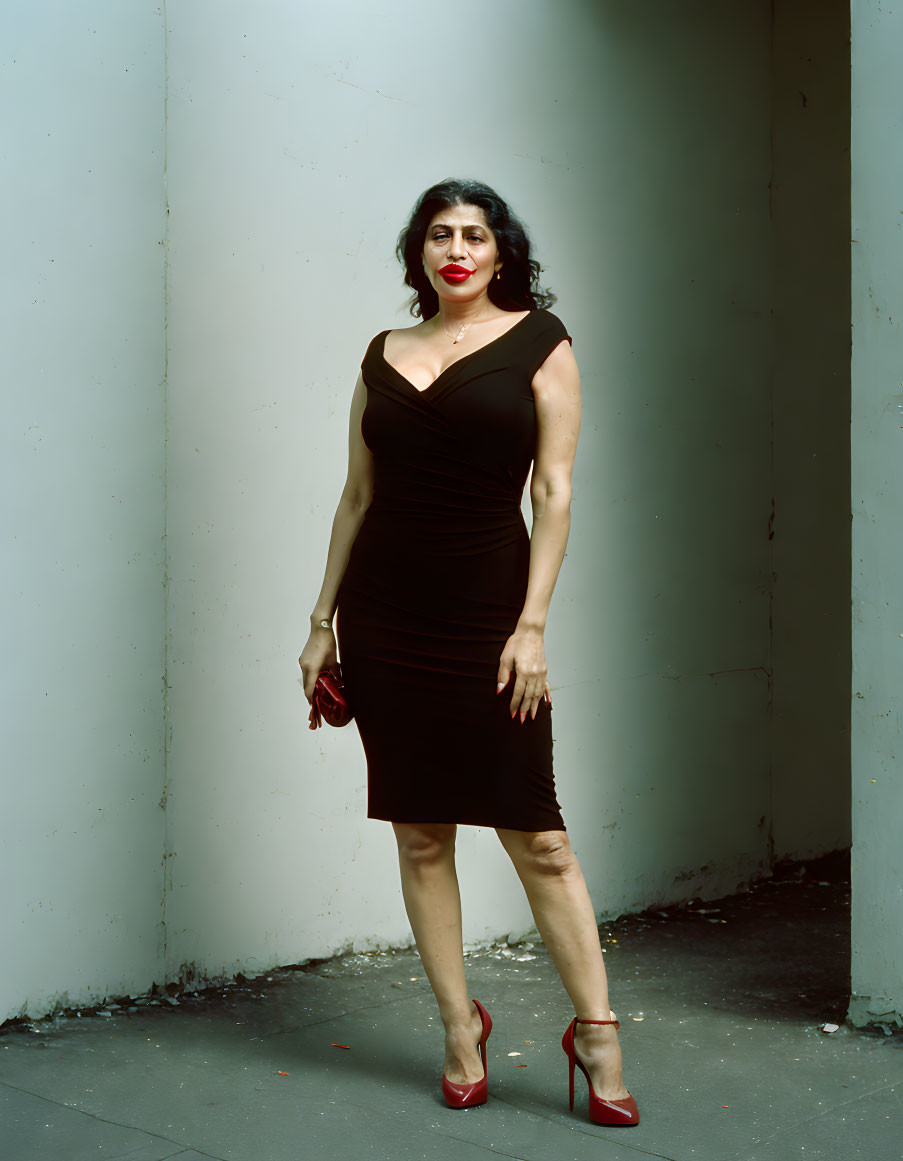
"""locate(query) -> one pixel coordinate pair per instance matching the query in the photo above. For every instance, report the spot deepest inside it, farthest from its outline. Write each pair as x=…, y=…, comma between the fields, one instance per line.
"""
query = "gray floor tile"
x=868, y=1127
x=721, y=1009
x=33, y=1127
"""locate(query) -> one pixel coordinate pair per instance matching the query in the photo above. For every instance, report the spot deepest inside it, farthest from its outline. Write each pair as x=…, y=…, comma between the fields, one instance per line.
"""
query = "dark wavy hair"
x=517, y=288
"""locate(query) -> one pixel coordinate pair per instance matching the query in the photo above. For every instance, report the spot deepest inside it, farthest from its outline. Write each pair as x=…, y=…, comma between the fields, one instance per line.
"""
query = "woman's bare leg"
x=429, y=885
x=560, y=902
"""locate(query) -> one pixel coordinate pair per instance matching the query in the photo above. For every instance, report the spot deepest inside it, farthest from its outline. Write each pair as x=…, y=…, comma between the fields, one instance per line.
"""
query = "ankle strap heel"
x=601, y=1112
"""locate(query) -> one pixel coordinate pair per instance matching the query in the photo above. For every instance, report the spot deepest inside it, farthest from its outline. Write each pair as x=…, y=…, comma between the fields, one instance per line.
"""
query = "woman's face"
x=458, y=237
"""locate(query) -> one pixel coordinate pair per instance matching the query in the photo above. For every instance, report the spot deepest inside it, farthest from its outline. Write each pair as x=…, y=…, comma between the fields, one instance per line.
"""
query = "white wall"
x=877, y=488
x=638, y=153
x=635, y=143
x=82, y=501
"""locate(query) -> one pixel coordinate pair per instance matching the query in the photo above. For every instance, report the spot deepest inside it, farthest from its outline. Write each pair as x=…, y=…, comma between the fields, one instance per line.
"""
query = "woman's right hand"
x=320, y=652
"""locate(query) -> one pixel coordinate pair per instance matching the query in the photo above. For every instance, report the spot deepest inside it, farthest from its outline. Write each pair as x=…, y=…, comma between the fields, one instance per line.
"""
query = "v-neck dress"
x=435, y=584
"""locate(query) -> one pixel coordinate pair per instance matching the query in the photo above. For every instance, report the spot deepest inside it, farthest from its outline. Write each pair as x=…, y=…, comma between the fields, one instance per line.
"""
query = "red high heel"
x=601, y=1112
x=465, y=1096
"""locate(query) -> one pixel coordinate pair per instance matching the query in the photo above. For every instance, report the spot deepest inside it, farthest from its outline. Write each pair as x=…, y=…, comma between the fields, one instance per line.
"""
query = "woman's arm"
x=556, y=390
x=320, y=650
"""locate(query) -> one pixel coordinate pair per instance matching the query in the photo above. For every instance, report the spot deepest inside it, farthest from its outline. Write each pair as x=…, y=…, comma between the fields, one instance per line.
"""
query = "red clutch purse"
x=328, y=701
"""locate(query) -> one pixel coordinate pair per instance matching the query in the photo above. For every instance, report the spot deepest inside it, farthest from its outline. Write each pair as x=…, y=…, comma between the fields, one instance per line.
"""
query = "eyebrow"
x=445, y=226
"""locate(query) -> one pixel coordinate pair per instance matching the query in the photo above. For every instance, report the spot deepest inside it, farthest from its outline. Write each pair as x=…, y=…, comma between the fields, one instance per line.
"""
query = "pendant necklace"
x=462, y=330
x=460, y=334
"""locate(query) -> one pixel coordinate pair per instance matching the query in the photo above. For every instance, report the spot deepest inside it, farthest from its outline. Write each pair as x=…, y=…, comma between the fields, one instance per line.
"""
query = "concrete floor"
x=721, y=1005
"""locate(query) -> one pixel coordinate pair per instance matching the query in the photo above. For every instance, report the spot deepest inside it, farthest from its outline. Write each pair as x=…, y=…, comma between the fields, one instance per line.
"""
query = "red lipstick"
x=454, y=273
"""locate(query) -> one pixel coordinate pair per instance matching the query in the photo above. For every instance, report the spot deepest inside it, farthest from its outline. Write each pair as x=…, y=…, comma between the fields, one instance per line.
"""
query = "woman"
x=442, y=599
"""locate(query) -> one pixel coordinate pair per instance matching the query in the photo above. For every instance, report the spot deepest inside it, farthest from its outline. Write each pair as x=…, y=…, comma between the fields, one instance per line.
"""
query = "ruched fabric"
x=434, y=586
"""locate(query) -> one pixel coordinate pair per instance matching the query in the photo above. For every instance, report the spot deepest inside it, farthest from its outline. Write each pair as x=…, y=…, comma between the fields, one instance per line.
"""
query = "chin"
x=464, y=290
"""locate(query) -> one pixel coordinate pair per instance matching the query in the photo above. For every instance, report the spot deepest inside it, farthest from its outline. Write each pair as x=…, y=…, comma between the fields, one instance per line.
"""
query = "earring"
x=498, y=274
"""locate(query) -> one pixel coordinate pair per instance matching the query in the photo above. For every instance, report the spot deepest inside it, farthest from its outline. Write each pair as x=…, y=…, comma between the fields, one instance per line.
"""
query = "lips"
x=453, y=273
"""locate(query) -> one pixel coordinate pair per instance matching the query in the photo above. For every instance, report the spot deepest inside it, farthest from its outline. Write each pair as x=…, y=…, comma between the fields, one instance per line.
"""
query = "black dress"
x=434, y=586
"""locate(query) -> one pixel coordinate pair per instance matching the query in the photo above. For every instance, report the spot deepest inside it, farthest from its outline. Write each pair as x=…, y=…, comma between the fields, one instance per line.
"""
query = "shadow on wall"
x=722, y=557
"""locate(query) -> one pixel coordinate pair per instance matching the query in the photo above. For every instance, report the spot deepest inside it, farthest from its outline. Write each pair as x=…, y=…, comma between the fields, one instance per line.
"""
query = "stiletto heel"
x=465, y=1096
x=601, y=1112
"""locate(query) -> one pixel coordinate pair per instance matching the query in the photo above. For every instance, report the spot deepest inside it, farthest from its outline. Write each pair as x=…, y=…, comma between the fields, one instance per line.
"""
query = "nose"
x=456, y=248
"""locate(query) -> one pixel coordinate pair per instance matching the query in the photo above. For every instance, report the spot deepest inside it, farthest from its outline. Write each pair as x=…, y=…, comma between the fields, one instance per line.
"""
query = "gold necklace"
x=461, y=331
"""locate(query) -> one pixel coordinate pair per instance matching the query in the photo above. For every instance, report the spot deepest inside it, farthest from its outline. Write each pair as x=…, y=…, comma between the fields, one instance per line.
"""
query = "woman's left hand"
x=525, y=654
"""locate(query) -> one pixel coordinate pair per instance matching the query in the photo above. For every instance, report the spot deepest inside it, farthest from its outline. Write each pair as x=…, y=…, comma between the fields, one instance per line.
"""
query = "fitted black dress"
x=434, y=586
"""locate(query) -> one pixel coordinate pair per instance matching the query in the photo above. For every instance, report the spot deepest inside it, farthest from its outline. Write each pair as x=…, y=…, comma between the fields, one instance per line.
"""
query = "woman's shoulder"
x=552, y=322
x=404, y=334
x=389, y=343
x=545, y=335
x=404, y=330
x=547, y=332
x=399, y=334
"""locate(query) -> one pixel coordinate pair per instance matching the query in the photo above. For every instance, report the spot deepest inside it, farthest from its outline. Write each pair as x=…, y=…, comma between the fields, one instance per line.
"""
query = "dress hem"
x=466, y=822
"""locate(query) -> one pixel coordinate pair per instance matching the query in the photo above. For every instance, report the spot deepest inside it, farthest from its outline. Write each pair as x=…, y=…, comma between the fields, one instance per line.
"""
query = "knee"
x=549, y=853
x=424, y=846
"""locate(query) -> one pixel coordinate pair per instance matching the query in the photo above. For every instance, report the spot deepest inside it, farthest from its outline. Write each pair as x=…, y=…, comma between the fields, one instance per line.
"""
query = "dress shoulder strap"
x=373, y=346
x=544, y=333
